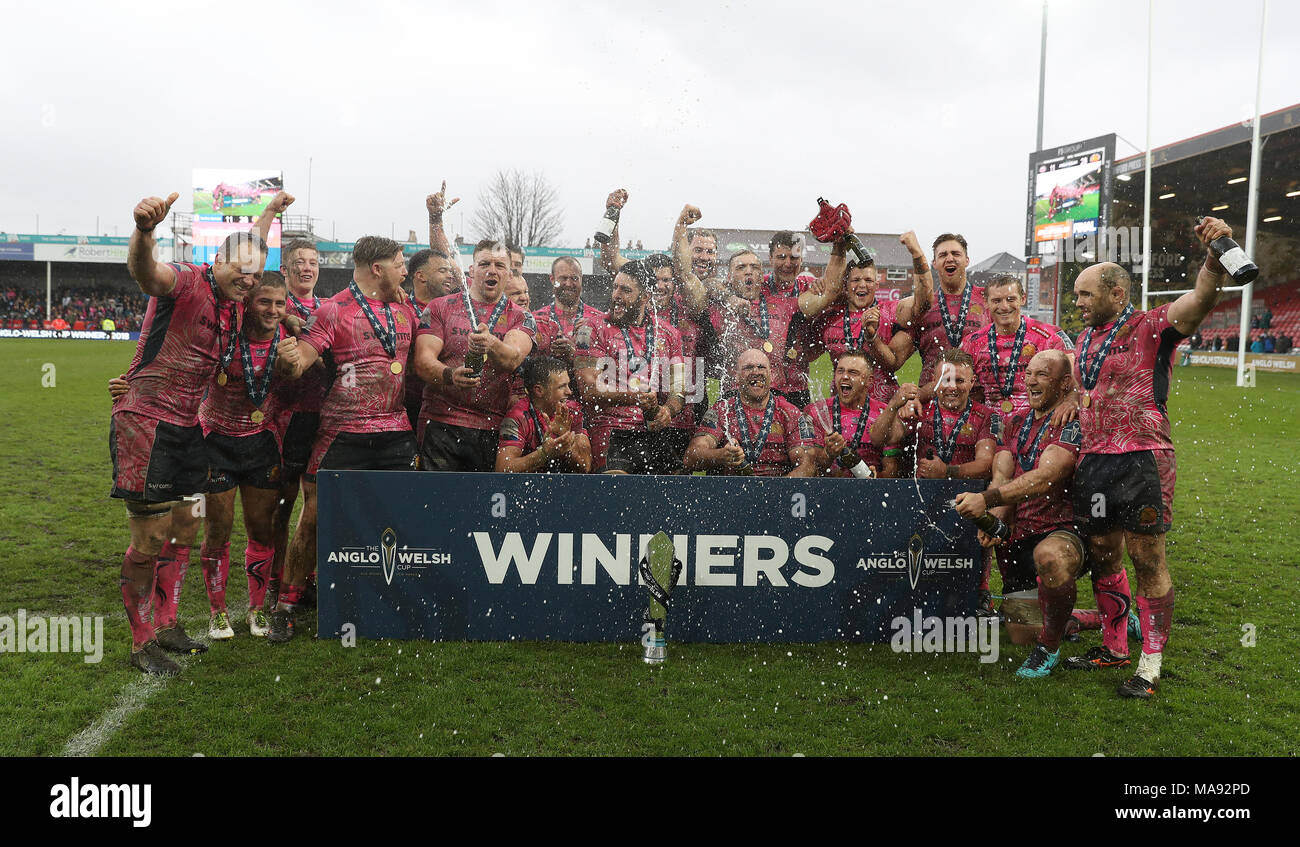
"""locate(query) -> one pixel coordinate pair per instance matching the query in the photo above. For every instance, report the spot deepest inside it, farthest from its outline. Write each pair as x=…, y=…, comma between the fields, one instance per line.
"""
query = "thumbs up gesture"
x=152, y=211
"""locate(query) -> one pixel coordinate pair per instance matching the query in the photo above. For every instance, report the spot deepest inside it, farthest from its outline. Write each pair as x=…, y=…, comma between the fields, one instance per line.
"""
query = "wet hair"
x=959, y=357
x=287, y=251
x=271, y=279
x=640, y=273
x=655, y=261
x=570, y=259
x=374, y=248
x=785, y=238
x=538, y=370
x=950, y=236
x=1002, y=280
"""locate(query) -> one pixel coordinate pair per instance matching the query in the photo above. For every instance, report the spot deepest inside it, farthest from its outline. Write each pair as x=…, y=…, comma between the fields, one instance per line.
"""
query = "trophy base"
x=656, y=654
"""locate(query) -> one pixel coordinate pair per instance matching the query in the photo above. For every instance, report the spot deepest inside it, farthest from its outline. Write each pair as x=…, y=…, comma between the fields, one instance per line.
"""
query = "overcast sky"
x=918, y=115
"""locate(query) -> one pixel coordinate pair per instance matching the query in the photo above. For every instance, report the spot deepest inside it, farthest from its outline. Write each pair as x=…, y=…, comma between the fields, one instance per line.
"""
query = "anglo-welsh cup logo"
x=388, y=546
x=915, y=547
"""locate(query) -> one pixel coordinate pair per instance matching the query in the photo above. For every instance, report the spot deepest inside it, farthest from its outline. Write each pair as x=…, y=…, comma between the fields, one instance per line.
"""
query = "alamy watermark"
x=1120, y=244
x=24, y=633
x=660, y=374
x=946, y=635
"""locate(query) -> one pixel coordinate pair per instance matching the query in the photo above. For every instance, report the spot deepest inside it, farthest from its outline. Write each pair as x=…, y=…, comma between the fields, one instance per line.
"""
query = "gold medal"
x=767, y=347
x=222, y=378
x=1086, y=401
x=1007, y=406
x=792, y=354
x=257, y=416
x=395, y=367
x=1030, y=350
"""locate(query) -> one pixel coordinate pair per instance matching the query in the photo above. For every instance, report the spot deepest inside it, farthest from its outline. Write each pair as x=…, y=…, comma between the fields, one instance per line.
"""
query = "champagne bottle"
x=605, y=226
x=1234, y=259
x=852, y=462
x=474, y=361
x=993, y=526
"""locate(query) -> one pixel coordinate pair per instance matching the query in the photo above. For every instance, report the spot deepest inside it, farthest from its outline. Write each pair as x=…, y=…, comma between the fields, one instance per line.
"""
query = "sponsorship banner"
x=497, y=557
x=82, y=334
x=69, y=248
x=1262, y=361
x=16, y=252
x=80, y=253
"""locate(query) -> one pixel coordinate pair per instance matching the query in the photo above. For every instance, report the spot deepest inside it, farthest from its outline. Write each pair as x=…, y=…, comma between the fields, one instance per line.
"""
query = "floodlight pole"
x=1252, y=206
x=1146, y=195
x=1042, y=78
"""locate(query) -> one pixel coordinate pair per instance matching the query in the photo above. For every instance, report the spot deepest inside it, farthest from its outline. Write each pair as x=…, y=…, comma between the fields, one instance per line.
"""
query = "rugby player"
x=755, y=431
x=544, y=431
x=1124, y=485
x=367, y=330
x=1003, y=349
x=452, y=279
x=461, y=413
x=956, y=309
x=238, y=419
x=844, y=419
x=1030, y=491
x=155, y=440
x=785, y=255
x=574, y=318
x=630, y=379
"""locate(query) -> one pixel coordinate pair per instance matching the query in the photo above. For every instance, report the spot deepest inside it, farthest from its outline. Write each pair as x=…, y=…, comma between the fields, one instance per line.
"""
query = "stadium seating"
x=1283, y=300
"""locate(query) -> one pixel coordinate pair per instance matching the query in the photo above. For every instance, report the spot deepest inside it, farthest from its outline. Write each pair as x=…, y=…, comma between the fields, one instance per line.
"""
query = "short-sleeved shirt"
x=790, y=429
x=1127, y=411
x=931, y=337
x=822, y=415
x=607, y=353
x=227, y=409
x=483, y=406
x=179, y=350
x=520, y=429
x=1038, y=336
x=983, y=423
x=1054, y=509
x=364, y=395
x=831, y=325
x=737, y=334
x=590, y=316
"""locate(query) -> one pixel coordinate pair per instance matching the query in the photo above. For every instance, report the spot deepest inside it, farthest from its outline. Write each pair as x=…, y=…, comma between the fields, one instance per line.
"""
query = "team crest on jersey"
x=1147, y=516
x=967, y=431
x=401, y=319
x=777, y=429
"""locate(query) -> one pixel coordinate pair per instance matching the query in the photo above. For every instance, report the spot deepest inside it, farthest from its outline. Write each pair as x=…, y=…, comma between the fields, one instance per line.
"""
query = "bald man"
x=1124, y=485
x=1032, y=472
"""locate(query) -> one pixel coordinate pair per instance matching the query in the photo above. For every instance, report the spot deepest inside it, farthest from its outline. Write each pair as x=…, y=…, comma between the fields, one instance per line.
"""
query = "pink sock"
x=289, y=597
x=137, y=594
x=173, y=562
x=1088, y=618
x=216, y=570
x=1113, y=603
x=1156, y=615
x=1056, y=605
x=257, y=564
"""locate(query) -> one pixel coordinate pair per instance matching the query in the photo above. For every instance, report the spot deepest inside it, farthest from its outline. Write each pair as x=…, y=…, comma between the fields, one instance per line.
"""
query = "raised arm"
x=278, y=204
x=713, y=289
x=887, y=428
x=437, y=204
x=609, y=256
x=157, y=279
x=913, y=307
x=1187, y=312
x=813, y=303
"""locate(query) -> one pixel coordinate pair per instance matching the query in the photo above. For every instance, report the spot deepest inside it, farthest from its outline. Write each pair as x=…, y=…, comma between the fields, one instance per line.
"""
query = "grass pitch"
x=1233, y=553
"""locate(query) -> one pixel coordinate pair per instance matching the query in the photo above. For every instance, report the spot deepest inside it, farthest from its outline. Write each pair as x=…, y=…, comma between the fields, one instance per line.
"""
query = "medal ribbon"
x=257, y=392
x=227, y=349
x=1007, y=386
x=954, y=326
x=303, y=310
x=947, y=444
x=652, y=319
x=1090, y=374
x=851, y=342
x=754, y=449
x=387, y=337
x=537, y=422
x=764, y=328
x=858, y=430
x=1027, y=459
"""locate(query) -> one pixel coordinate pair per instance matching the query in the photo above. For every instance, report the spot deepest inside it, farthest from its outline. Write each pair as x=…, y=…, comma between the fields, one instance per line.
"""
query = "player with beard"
x=847, y=315
x=844, y=419
x=957, y=309
x=631, y=381
x=575, y=319
x=1003, y=349
x=755, y=431
x=431, y=278
x=680, y=304
x=543, y=431
x=367, y=330
x=1030, y=491
x=155, y=441
x=1124, y=485
x=462, y=410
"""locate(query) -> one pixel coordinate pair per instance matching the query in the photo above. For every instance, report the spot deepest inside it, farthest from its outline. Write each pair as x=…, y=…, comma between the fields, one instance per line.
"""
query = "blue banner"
x=497, y=557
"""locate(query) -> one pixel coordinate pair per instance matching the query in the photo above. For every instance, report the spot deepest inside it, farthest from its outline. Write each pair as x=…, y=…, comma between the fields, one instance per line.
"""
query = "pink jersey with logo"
x=307, y=392
x=822, y=415
x=799, y=286
x=1127, y=407
x=483, y=406
x=569, y=323
x=978, y=427
x=1054, y=509
x=676, y=315
x=738, y=334
x=365, y=395
x=831, y=325
x=930, y=335
x=1039, y=335
x=519, y=429
x=609, y=348
x=790, y=429
x=227, y=409
x=179, y=349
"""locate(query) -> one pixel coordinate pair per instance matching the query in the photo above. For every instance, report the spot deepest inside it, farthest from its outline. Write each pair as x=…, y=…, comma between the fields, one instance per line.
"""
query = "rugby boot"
x=1040, y=663
x=1097, y=658
x=985, y=608
x=258, y=626
x=151, y=659
x=219, y=628
x=1138, y=686
x=282, y=627
x=174, y=640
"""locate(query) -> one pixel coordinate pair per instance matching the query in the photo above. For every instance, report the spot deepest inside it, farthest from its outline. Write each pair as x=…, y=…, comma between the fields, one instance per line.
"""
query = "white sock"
x=1149, y=666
